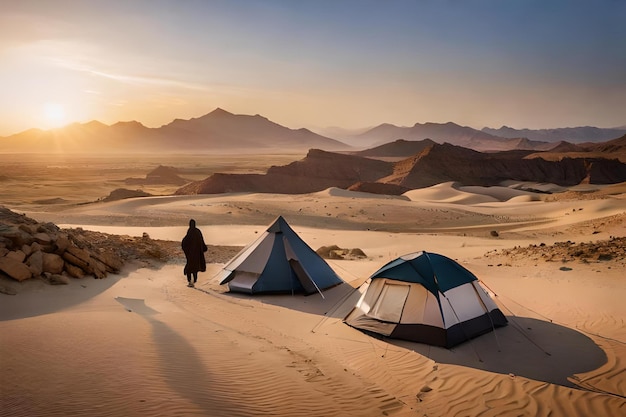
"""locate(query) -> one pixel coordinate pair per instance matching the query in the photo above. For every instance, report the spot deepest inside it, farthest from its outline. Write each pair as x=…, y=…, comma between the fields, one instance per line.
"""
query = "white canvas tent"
x=279, y=261
x=428, y=298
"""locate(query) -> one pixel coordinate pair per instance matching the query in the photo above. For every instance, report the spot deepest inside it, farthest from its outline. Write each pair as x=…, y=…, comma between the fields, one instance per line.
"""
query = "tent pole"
x=462, y=328
x=334, y=308
x=517, y=325
x=493, y=327
x=318, y=289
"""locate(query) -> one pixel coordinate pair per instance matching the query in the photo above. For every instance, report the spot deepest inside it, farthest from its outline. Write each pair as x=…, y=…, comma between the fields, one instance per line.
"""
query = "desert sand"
x=142, y=343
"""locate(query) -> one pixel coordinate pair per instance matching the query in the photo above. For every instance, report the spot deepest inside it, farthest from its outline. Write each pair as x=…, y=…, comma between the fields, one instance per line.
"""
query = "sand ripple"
x=186, y=352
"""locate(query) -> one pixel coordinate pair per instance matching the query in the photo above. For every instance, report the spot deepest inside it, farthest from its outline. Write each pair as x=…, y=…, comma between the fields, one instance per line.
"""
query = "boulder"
x=35, y=263
x=27, y=249
x=28, y=228
x=42, y=238
x=84, y=265
x=17, y=236
x=74, y=271
x=112, y=263
x=82, y=255
x=14, y=269
x=62, y=243
x=52, y=263
x=99, y=269
x=18, y=255
x=5, y=242
x=49, y=228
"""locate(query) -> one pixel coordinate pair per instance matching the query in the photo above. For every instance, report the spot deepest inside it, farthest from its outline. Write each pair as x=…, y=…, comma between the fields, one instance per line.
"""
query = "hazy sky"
x=348, y=63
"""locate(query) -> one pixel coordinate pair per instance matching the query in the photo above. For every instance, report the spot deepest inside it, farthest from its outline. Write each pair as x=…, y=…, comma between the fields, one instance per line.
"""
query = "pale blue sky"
x=521, y=63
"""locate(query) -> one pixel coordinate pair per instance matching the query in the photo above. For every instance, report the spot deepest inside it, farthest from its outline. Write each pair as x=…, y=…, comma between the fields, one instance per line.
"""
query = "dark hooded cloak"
x=194, y=248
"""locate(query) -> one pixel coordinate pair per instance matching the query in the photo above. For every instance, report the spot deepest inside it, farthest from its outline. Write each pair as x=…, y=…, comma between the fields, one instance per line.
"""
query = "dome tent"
x=428, y=298
x=279, y=261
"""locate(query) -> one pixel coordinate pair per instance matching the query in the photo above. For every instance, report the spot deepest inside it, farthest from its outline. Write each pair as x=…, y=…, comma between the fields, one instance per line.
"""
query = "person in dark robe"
x=194, y=248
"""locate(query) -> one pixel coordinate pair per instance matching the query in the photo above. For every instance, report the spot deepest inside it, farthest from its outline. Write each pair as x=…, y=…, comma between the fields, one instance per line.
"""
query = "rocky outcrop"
x=378, y=188
x=442, y=163
x=399, y=148
x=15, y=269
x=563, y=146
x=435, y=164
x=159, y=176
x=317, y=171
x=123, y=193
x=612, y=146
x=29, y=250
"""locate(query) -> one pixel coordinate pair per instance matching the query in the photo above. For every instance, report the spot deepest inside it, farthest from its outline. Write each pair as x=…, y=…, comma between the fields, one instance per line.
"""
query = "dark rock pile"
x=612, y=250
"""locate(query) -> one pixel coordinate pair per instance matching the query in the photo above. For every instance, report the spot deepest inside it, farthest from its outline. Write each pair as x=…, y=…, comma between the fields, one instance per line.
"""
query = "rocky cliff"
x=317, y=171
x=433, y=165
x=442, y=163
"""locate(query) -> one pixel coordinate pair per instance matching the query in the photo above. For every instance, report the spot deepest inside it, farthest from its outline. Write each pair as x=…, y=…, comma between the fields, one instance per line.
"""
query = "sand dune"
x=142, y=343
x=450, y=192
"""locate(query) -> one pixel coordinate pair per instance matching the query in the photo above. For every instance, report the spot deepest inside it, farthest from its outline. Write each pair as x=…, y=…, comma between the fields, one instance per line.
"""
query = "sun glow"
x=54, y=114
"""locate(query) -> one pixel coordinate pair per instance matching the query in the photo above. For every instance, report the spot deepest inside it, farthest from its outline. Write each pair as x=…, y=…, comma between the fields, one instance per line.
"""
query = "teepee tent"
x=428, y=298
x=279, y=261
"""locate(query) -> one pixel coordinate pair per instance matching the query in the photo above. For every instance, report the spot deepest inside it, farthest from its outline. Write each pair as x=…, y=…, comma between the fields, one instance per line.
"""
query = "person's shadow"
x=181, y=366
x=526, y=347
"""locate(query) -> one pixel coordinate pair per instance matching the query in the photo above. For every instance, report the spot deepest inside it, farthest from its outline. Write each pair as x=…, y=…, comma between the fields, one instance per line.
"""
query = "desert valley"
x=538, y=216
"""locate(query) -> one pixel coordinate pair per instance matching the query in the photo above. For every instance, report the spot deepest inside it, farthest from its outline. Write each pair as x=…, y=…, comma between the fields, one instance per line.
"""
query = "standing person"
x=194, y=248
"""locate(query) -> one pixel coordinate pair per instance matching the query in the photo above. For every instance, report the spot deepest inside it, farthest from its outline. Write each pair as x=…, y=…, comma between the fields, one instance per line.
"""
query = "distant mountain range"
x=218, y=131
x=222, y=131
x=567, y=134
x=483, y=140
x=440, y=133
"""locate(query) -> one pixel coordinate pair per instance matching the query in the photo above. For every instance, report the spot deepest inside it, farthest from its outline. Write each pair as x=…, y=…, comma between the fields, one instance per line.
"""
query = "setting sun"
x=54, y=114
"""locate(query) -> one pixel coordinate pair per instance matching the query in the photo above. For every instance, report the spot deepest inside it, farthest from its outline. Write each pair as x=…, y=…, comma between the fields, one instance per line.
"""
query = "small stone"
x=57, y=279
